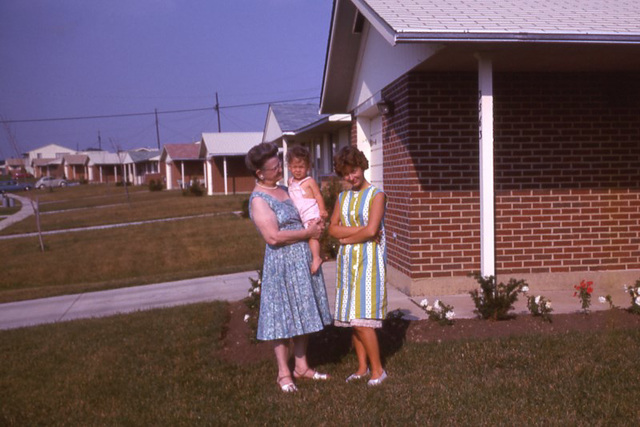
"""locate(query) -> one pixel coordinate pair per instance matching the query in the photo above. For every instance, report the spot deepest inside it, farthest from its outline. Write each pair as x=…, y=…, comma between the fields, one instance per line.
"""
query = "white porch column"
x=210, y=177
x=101, y=174
x=487, y=189
x=90, y=173
x=224, y=167
x=167, y=167
x=115, y=173
x=184, y=184
x=363, y=130
x=326, y=154
x=86, y=172
x=285, y=170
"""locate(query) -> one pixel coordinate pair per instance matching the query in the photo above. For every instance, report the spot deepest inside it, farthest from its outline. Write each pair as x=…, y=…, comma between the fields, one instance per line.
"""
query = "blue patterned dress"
x=361, y=293
x=292, y=300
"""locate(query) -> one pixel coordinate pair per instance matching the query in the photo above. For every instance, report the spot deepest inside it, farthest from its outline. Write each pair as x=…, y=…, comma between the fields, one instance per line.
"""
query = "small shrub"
x=495, y=300
x=253, y=303
x=439, y=312
x=583, y=292
x=245, y=208
x=607, y=300
x=538, y=305
x=156, y=185
x=634, y=293
x=194, y=189
x=121, y=184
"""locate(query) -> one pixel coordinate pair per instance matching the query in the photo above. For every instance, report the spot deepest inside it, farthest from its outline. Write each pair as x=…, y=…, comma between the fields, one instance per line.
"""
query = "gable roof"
x=137, y=156
x=230, y=143
x=189, y=151
x=292, y=117
x=76, y=159
x=505, y=20
x=103, y=158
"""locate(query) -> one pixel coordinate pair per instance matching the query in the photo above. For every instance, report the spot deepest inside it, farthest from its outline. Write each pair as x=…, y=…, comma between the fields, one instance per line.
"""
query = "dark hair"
x=349, y=156
x=259, y=154
x=299, y=152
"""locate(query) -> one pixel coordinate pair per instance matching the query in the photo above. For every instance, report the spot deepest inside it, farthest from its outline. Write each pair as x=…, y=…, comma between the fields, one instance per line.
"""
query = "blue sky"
x=78, y=58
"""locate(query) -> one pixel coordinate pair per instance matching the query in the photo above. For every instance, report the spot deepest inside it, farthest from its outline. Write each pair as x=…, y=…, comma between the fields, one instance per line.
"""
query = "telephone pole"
x=218, y=111
x=157, y=130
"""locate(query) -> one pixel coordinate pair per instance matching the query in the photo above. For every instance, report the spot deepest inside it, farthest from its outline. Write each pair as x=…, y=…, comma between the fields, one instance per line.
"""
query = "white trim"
x=487, y=196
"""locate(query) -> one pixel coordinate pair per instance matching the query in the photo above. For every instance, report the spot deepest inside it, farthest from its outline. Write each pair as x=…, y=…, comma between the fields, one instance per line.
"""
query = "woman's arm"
x=265, y=220
x=336, y=229
x=369, y=231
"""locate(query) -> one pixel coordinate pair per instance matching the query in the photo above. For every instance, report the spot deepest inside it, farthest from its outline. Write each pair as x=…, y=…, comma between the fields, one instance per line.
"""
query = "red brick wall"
x=239, y=179
x=567, y=164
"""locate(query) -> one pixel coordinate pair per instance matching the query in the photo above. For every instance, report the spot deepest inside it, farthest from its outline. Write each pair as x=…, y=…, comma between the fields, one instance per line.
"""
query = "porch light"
x=385, y=107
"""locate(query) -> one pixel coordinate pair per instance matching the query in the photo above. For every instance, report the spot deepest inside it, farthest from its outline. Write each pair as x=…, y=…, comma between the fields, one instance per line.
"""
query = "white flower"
x=429, y=308
x=637, y=300
x=436, y=305
x=259, y=281
x=424, y=303
x=450, y=315
x=547, y=305
x=537, y=299
x=602, y=300
x=525, y=289
x=246, y=317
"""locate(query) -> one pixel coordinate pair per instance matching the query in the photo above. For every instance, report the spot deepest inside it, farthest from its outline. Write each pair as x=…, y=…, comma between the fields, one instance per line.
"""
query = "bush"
x=245, y=208
x=194, y=189
x=495, y=300
x=329, y=245
x=634, y=294
x=156, y=185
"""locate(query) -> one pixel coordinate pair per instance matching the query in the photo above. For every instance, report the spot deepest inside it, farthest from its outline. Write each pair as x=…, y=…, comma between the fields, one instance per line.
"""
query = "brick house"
x=302, y=124
x=506, y=135
x=183, y=164
x=76, y=166
x=225, y=169
x=104, y=167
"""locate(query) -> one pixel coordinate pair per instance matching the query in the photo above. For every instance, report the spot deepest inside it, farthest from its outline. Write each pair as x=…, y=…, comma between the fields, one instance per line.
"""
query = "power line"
x=110, y=116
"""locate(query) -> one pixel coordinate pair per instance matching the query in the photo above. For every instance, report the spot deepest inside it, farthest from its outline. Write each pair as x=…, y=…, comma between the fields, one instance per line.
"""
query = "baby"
x=306, y=196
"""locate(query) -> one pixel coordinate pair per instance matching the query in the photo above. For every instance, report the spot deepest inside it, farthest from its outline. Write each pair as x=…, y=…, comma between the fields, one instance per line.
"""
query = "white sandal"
x=289, y=387
x=354, y=377
x=317, y=376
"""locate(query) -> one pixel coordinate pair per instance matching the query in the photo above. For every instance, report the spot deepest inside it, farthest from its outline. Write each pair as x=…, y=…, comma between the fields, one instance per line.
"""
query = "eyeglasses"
x=279, y=165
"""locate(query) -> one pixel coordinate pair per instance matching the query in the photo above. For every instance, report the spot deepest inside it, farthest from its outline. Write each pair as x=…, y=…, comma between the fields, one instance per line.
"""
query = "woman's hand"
x=315, y=229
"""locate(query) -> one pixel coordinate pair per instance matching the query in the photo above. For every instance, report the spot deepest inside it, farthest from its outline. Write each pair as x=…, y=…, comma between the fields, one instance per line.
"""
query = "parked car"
x=11, y=185
x=49, y=181
x=21, y=174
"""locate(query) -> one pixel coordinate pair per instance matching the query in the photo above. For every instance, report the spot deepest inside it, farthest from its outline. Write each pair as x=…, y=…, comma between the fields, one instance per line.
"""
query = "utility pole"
x=157, y=130
x=99, y=141
x=218, y=111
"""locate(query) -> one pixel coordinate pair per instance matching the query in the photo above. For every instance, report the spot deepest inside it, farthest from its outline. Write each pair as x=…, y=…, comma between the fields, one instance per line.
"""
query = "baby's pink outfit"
x=308, y=208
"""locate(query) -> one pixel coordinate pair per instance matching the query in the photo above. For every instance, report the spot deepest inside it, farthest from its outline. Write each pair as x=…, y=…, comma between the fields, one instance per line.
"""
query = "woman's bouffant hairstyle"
x=351, y=157
x=299, y=152
x=258, y=155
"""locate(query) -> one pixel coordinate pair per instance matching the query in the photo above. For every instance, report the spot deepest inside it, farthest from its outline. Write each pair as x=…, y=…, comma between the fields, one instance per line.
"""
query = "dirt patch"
x=334, y=343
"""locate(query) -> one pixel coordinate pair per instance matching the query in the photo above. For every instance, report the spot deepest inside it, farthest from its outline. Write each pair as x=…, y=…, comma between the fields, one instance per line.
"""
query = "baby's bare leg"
x=314, y=245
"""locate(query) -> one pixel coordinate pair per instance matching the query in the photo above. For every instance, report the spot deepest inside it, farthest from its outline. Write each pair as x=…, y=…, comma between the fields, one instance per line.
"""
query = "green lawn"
x=134, y=255
x=160, y=368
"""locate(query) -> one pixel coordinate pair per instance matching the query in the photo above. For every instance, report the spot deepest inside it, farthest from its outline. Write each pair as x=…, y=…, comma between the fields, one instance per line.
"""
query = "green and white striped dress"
x=361, y=295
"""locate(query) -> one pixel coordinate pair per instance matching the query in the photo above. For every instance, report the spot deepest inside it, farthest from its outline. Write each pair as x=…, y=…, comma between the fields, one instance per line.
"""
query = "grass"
x=160, y=368
x=119, y=257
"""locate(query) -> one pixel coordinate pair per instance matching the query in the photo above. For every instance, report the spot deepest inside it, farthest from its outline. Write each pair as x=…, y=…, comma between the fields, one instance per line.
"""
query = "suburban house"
x=142, y=165
x=506, y=135
x=302, y=124
x=14, y=165
x=47, y=160
x=183, y=164
x=104, y=167
x=224, y=163
x=76, y=166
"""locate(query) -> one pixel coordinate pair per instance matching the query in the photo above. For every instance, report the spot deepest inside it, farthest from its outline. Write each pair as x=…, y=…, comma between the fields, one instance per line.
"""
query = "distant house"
x=506, y=135
x=183, y=164
x=142, y=165
x=104, y=167
x=14, y=165
x=47, y=160
x=76, y=166
x=225, y=167
x=302, y=124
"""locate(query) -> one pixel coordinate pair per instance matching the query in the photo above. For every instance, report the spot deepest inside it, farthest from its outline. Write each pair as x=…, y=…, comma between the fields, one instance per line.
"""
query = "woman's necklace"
x=266, y=187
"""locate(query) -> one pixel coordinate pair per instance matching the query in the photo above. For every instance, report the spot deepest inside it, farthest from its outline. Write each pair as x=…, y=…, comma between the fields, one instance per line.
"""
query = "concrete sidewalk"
x=235, y=287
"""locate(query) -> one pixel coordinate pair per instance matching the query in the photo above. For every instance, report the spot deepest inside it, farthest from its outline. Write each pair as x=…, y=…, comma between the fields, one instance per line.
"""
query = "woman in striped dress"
x=361, y=298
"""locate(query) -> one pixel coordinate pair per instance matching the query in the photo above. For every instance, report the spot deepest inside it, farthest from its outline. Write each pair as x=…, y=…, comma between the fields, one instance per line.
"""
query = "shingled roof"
x=292, y=117
x=559, y=20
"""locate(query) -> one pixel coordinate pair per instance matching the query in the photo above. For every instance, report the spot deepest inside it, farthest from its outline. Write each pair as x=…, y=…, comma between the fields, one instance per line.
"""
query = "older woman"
x=293, y=302
x=361, y=298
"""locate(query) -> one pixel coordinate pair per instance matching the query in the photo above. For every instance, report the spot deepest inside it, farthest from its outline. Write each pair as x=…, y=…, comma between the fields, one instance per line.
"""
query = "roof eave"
x=421, y=37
